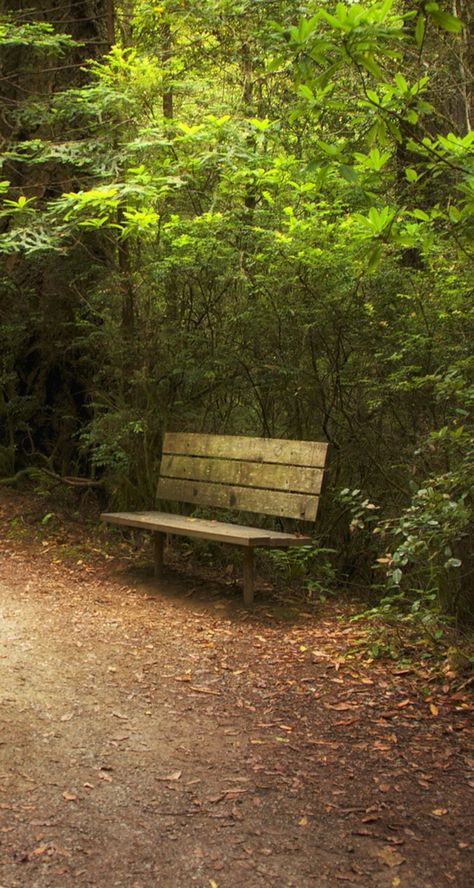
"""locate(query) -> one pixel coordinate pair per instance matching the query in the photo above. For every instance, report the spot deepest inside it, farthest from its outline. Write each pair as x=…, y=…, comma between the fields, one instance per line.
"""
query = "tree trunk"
x=51, y=374
x=166, y=55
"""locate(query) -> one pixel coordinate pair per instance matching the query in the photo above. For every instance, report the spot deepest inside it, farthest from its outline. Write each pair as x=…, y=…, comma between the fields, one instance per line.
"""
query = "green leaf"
x=401, y=83
x=454, y=214
x=420, y=31
x=368, y=62
x=420, y=214
x=326, y=77
x=374, y=258
x=446, y=21
x=349, y=173
x=332, y=150
x=305, y=92
x=411, y=116
x=260, y=125
x=373, y=97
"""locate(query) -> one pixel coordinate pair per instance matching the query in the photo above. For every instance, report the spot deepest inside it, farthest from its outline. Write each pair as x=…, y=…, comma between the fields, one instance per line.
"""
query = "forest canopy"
x=253, y=218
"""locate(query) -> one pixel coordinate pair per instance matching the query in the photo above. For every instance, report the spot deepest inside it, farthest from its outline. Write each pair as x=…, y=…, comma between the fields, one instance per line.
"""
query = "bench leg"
x=248, y=577
x=158, y=545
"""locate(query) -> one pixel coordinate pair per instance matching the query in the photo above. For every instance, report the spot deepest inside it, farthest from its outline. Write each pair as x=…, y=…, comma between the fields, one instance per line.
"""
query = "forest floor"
x=160, y=735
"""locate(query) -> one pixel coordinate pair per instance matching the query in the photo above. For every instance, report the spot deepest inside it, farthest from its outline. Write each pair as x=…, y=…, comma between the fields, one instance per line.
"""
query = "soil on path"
x=153, y=739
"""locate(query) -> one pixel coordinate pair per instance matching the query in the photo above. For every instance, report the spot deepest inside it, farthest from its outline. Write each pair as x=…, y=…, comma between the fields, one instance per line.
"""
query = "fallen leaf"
x=439, y=812
x=390, y=857
x=303, y=821
x=340, y=707
x=174, y=776
x=37, y=852
x=69, y=796
x=433, y=709
x=233, y=793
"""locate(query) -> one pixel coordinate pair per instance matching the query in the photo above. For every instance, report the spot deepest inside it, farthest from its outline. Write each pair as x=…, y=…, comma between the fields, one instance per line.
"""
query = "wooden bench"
x=262, y=475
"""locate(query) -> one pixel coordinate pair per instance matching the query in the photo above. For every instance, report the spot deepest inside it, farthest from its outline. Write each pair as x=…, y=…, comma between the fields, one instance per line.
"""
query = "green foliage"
x=312, y=566
x=432, y=538
x=398, y=624
x=38, y=36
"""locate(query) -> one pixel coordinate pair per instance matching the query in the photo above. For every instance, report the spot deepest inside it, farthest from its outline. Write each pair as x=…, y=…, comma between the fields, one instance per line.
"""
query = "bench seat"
x=221, y=531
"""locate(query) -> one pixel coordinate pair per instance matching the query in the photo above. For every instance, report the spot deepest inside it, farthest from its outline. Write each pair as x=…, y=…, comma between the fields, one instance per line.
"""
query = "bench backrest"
x=266, y=475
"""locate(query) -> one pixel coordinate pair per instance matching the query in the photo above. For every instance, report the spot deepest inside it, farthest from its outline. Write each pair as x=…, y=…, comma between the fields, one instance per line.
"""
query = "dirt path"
x=157, y=740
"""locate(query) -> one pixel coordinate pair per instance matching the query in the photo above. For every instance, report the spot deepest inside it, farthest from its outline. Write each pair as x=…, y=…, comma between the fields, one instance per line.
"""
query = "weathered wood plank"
x=248, y=577
x=275, y=476
x=158, y=547
x=245, y=499
x=271, y=450
x=224, y=532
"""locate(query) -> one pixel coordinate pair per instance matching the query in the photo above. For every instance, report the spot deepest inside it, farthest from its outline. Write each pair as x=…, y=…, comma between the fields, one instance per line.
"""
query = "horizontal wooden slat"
x=270, y=450
x=235, y=534
x=245, y=499
x=243, y=474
